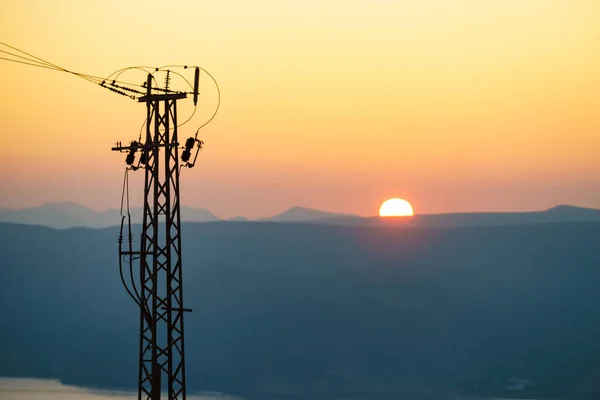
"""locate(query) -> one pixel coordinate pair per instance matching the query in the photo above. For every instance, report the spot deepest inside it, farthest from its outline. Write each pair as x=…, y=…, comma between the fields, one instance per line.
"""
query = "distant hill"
x=239, y=219
x=302, y=214
x=69, y=215
x=570, y=212
x=561, y=213
x=310, y=311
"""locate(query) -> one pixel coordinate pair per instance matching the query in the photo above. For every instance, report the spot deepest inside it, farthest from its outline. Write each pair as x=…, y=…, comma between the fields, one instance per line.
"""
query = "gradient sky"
x=454, y=105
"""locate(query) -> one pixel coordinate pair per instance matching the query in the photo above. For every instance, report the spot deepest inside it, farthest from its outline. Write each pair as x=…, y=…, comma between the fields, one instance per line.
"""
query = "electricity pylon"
x=159, y=293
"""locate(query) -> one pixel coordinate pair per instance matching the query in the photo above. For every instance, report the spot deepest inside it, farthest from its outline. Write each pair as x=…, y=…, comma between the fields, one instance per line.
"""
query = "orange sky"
x=455, y=105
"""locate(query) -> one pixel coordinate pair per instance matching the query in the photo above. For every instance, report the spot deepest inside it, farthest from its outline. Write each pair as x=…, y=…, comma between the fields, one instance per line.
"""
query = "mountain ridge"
x=62, y=215
x=298, y=213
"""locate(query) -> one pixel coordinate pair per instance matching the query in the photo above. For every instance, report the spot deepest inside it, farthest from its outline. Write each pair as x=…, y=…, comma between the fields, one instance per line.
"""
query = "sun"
x=396, y=208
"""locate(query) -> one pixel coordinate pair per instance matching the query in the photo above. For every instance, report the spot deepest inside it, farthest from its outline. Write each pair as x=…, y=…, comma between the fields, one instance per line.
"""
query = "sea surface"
x=44, y=389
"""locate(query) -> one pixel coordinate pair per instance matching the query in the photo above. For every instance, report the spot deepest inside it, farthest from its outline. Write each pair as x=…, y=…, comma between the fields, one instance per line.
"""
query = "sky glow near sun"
x=464, y=105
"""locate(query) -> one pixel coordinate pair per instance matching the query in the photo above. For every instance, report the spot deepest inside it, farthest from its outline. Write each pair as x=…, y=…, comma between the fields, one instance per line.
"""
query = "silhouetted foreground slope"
x=320, y=310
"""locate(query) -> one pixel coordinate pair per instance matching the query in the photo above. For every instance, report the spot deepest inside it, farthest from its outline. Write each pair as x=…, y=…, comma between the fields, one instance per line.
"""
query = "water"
x=44, y=389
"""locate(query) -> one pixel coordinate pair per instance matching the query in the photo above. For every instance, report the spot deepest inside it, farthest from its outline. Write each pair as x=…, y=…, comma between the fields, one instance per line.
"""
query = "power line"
x=35, y=65
x=113, y=83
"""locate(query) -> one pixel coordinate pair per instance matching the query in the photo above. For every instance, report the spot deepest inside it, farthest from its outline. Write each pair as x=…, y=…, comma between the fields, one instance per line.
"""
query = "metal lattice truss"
x=161, y=317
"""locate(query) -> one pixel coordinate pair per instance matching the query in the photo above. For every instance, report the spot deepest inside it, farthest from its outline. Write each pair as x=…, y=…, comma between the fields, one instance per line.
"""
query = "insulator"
x=167, y=80
x=196, y=83
x=130, y=159
x=144, y=157
x=129, y=89
x=149, y=85
x=185, y=156
x=116, y=91
x=189, y=143
x=167, y=90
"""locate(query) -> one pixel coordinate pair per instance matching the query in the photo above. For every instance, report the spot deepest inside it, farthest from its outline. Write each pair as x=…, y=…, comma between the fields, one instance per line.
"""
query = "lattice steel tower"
x=157, y=287
x=158, y=291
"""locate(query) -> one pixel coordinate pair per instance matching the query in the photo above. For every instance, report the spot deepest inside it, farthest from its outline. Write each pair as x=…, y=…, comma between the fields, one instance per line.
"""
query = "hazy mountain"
x=561, y=213
x=300, y=214
x=320, y=311
x=570, y=212
x=68, y=215
x=191, y=214
x=239, y=219
x=50, y=214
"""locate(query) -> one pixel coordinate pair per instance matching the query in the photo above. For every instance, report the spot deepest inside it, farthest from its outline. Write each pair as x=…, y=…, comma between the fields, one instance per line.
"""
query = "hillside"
x=320, y=311
x=561, y=213
x=71, y=215
x=302, y=214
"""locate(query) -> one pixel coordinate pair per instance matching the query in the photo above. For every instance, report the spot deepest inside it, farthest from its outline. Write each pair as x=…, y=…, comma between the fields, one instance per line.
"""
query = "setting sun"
x=395, y=208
